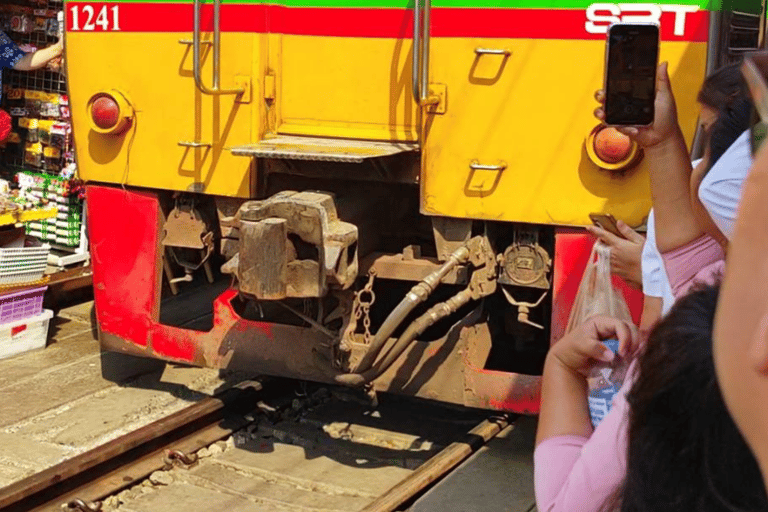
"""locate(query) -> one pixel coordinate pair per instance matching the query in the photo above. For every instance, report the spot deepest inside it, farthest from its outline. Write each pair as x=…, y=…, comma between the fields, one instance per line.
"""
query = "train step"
x=322, y=149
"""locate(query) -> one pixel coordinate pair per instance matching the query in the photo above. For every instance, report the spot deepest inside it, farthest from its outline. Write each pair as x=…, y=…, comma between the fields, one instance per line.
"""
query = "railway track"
x=281, y=446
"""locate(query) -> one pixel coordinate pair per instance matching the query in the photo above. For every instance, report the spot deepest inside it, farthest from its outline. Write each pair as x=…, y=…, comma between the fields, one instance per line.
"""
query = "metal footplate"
x=319, y=149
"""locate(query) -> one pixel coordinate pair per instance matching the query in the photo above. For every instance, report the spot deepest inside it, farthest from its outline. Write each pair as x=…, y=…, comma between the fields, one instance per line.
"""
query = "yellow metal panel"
x=346, y=87
x=154, y=72
x=530, y=113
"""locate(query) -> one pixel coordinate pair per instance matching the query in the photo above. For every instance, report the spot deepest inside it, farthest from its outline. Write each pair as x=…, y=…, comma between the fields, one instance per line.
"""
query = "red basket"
x=21, y=305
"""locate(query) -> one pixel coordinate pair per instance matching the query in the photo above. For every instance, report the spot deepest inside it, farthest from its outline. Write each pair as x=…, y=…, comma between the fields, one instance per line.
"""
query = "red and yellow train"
x=387, y=194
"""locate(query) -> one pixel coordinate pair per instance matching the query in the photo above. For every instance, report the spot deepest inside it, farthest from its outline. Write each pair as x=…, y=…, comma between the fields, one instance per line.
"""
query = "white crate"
x=23, y=265
x=24, y=335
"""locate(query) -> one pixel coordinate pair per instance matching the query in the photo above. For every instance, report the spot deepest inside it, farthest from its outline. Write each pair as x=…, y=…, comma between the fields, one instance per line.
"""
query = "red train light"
x=105, y=112
x=110, y=113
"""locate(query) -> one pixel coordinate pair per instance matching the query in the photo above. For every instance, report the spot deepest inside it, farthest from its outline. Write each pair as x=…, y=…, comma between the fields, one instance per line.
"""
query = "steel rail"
x=439, y=465
x=91, y=493
x=103, y=462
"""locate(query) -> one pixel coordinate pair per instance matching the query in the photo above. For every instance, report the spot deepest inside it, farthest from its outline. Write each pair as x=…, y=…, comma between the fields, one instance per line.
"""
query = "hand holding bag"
x=597, y=295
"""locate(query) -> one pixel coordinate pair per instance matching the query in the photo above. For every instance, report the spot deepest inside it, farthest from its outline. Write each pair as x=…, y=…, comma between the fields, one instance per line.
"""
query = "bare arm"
x=652, y=307
x=40, y=58
x=670, y=170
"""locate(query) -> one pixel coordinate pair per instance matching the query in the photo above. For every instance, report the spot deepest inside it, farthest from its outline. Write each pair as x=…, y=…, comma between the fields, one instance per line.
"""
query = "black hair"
x=722, y=87
x=685, y=452
x=732, y=121
x=726, y=92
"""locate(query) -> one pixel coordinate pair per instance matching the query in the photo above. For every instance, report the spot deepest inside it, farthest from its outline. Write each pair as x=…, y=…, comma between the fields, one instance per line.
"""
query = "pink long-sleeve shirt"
x=578, y=474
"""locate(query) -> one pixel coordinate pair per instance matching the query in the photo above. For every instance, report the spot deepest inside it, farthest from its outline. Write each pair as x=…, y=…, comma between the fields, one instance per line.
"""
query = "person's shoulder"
x=741, y=146
x=735, y=162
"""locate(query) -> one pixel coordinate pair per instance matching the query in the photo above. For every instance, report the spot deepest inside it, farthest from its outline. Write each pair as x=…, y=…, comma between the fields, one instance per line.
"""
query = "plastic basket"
x=24, y=335
x=22, y=304
x=24, y=264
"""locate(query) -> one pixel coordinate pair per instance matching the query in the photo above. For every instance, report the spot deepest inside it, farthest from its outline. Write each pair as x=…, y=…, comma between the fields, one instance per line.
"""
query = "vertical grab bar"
x=196, y=43
x=415, y=72
x=425, y=52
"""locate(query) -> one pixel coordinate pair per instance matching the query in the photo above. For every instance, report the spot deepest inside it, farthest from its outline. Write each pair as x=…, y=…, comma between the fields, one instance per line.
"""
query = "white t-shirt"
x=720, y=190
x=655, y=280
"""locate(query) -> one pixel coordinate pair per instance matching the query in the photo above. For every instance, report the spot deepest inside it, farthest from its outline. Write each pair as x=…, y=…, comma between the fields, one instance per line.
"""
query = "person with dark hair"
x=684, y=451
x=576, y=467
x=720, y=90
x=721, y=186
x=741, y=323
x=724, y=107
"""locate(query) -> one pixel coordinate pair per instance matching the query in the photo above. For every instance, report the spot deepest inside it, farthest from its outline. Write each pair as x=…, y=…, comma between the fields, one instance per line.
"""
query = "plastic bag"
x=597, y=295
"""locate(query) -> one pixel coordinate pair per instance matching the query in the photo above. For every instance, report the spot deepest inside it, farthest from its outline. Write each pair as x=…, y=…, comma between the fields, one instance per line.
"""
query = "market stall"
x=43, y=240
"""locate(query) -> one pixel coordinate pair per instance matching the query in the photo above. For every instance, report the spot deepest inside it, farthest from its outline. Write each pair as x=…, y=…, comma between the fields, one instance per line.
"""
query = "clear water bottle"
x=605, y=380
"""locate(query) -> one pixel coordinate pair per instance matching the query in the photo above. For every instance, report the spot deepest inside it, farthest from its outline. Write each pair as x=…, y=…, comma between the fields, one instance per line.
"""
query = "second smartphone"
x=632, y=56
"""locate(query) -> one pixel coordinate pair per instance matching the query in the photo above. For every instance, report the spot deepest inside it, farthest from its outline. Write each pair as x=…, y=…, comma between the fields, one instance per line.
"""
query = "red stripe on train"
x=358, y=22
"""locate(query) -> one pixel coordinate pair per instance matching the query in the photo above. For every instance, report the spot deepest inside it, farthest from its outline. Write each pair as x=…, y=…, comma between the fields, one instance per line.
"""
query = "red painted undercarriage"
x=125, y=227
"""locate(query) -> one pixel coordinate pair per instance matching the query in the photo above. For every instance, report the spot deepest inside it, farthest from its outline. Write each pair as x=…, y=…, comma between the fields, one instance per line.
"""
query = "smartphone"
x=607, y=222
x=631, y=60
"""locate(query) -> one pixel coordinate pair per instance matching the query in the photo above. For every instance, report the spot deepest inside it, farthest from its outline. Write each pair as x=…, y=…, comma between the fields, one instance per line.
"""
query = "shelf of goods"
x=39, y=154
x=39, y=157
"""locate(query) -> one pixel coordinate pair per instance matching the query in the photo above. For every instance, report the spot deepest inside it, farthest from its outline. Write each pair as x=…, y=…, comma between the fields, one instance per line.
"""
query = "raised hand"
x=582, y=347
x=665, y=124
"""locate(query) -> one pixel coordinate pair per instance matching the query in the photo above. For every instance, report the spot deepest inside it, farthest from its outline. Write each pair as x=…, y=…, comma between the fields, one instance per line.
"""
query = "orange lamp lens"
x=612, y=146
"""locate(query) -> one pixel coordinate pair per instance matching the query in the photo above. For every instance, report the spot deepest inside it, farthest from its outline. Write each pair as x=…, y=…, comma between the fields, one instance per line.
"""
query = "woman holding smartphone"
x=637, y=259
x=576, y=467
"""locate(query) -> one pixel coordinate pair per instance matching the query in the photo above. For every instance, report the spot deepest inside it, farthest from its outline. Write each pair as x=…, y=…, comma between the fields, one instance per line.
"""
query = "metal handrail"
x=194, y=144
x=425, y=52
x=415, y=81
x=476, y=166
x=196, y=43
x=493, y=51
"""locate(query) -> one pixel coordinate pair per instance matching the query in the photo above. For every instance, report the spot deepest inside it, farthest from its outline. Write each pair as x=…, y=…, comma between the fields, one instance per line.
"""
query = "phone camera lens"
x=628, y=109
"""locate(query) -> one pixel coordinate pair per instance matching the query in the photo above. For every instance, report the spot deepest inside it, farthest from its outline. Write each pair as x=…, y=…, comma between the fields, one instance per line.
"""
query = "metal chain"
x=365, y=306
x=361, y=307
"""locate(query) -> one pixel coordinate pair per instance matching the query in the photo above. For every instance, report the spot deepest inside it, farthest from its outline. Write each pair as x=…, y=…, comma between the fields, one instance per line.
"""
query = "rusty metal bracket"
x=192, y=267
x=78, y=504
x=483, y=280
x=437, y=101
x=185, y=228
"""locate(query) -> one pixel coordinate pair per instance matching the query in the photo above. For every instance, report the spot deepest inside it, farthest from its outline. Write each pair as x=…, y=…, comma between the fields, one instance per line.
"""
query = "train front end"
x=377, y=194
